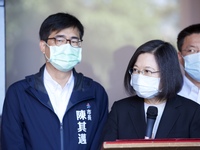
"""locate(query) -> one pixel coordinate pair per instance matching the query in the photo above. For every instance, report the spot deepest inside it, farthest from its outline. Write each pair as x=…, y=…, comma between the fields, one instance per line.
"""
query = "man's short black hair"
x=58, y=22
x=192, y=29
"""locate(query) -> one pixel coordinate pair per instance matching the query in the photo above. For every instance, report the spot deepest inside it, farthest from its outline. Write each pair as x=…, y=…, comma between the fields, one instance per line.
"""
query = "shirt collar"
x=188, y=83
x=52, y=83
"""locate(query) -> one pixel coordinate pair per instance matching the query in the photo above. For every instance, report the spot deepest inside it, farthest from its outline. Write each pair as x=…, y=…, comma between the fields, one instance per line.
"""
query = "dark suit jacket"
x=180, y=119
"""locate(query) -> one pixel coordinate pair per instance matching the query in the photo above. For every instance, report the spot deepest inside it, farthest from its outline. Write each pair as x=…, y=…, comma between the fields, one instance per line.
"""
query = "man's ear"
x=42, y=46
x=181, y=60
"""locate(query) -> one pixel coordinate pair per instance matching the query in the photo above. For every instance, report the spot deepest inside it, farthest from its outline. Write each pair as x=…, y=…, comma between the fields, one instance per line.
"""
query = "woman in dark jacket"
x=153, y=78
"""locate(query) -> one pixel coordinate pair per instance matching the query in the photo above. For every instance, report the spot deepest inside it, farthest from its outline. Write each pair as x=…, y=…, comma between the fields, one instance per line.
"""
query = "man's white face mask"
x=64, y=57
x=192, y=66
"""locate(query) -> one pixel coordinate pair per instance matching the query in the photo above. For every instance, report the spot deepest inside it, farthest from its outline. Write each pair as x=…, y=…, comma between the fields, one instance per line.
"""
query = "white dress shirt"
x=190, y=91
x=59, y=96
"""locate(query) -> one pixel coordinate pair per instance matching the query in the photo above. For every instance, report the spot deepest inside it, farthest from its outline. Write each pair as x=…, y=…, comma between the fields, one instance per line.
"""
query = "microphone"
x=152, y=113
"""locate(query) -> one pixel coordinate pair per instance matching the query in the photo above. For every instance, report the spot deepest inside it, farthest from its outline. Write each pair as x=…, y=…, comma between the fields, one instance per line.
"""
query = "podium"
x=153, y=144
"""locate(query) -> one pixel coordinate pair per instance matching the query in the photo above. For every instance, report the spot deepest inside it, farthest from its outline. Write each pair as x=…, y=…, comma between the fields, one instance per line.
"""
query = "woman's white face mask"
x=145, y=86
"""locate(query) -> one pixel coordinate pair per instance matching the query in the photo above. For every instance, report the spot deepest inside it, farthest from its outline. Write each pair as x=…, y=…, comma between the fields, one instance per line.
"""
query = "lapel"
x=169, y=117
x=137, y=116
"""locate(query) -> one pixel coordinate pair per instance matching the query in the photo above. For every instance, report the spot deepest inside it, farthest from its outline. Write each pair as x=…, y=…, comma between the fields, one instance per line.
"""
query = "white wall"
x=2, y=54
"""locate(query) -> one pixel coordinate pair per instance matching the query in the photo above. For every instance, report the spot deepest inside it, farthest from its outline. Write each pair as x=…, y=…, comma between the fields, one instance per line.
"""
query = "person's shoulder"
x=16, y=87
x=17, y=83
x=187, y=102
x=187, y=106
x=90, y=81
x=128, y=100
x=127, y=103
x=21, y=82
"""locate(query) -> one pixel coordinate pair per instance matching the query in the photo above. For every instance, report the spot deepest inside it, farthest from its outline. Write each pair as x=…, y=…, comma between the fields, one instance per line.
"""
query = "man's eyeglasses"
x=60, y=40
x=145, y=72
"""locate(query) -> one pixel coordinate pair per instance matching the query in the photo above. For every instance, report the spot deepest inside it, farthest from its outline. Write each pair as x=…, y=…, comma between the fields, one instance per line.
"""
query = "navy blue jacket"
x=30, y=123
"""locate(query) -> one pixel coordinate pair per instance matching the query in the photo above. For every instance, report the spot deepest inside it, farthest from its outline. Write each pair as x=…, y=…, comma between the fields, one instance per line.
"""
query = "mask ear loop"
x=48, y=59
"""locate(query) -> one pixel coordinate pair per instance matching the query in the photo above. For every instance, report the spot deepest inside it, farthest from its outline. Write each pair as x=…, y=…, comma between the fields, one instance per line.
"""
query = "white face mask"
x=64, y=57
x=145, y=87
x=192, y=66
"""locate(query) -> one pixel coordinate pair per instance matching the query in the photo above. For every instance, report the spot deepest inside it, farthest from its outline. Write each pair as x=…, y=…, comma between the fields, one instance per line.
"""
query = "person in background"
x=57, y=108
x=188, y=43
x=153, y=78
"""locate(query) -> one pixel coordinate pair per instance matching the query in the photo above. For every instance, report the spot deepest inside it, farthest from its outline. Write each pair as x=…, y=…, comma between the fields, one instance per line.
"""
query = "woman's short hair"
x=171, y=79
